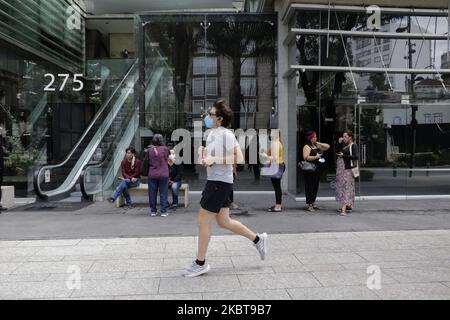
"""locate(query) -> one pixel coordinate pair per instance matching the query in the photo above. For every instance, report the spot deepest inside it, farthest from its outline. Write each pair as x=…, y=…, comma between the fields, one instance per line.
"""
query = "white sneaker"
x=261, y=246
x=165, y=214
x=195, y=270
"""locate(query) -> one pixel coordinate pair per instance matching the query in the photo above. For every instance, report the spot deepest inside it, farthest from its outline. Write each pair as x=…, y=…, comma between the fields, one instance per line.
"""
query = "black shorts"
x=216, y=196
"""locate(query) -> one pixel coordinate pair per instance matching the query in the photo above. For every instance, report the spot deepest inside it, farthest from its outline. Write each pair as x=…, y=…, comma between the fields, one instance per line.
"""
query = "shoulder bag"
x=355, y=169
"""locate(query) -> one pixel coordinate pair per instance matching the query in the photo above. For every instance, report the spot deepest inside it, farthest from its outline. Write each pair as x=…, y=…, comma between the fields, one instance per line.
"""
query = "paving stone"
x=307, y=268
x=280, y=294
x=70, y=251
x=270, y=261
x=34, y=290
x=347, y=278
x=24, y=277
x=278, y=281
x=101, y=256
x=126, y=265
x=18, y=251
x=416, y=291
x=8, y=244
x=183, y=263
x=7, y=268
x=48, y=243
x=116, y=287
x=88, y=276
x=391, y=255
x=52, y=267
x=241, y=270
x=414, y=275
x=324, y=258
x=435, y=253
x=103, y=242
x=132, y=249
x=205, y=283
x=183, y=296
x=333, y=293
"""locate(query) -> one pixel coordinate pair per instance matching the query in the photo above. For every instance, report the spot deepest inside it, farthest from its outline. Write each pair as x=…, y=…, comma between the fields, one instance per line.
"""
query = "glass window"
x=248, y=87
x=202, y=65
x=211, y=87
x=198, y=87
x=248, y=67
x=427, y=117
x=437, y=117
x=197, y=106
x=376, y=59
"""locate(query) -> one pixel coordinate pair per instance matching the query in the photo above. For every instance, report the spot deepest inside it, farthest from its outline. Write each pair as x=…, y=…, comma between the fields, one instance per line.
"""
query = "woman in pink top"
x=158, y=175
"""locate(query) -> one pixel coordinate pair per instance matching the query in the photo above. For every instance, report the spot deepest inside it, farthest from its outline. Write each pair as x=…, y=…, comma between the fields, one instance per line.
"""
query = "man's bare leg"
x=204, y=232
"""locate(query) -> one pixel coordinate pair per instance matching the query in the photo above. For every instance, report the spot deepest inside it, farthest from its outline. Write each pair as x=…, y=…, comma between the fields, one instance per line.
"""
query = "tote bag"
x=355, y=170
x=272, y=170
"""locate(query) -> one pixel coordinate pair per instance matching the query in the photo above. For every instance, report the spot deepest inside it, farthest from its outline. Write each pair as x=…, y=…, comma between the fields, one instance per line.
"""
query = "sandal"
x=273, y=209
x=343, y=214
x=310, y=208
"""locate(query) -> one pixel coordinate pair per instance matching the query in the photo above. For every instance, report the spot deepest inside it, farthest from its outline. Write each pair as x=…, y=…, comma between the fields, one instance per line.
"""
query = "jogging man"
x=222, y=151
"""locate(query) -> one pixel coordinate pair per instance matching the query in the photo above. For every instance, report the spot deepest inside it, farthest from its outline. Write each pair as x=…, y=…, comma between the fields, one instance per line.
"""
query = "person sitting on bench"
x=131, y=168
x=175, y=173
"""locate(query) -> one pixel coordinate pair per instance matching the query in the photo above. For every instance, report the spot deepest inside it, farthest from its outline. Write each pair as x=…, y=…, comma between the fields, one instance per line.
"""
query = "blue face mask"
x=209, y=122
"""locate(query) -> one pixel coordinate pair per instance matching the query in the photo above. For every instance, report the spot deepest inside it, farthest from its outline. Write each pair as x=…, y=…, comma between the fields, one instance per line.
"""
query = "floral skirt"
x=345, y=184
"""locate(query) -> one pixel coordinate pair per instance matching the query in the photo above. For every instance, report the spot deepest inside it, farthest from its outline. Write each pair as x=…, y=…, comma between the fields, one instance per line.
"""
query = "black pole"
x=413, y=125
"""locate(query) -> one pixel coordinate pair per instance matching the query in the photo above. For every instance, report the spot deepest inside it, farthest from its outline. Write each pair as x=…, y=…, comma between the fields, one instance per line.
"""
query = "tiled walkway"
x=412, y=265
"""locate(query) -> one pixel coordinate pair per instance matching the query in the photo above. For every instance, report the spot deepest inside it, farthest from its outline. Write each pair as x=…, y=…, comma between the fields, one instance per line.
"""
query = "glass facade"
x=399, y=119
x=159, y=73
x=190, y=61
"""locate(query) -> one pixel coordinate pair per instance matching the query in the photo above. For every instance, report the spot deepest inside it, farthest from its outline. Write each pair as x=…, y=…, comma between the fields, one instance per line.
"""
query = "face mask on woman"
x=172, y=157
x=209, y=122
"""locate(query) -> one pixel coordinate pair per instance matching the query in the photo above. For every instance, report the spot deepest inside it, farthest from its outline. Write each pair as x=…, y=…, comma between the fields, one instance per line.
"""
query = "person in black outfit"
x=312, y=152
x=175, y=175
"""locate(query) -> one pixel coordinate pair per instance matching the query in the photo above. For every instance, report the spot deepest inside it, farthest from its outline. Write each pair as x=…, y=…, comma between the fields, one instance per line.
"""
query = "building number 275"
x=65, y=77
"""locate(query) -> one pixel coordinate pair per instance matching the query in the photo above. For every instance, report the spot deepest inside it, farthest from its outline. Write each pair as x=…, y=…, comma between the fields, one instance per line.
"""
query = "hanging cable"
x=382, y=61
x=345, y=50
x=423, y=41
x=328, y=28
x=439, y=76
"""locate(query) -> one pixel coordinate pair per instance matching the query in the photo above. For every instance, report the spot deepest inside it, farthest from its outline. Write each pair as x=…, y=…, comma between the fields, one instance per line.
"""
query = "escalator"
x=102, y=137
x=99, y=176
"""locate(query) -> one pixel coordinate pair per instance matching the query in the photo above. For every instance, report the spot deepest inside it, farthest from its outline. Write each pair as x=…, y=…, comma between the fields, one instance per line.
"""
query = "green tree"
x=237, y=39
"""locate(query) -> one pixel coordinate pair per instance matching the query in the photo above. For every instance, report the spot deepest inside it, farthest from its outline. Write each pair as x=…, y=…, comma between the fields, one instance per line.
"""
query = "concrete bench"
x=142, y=191
x=7, y=197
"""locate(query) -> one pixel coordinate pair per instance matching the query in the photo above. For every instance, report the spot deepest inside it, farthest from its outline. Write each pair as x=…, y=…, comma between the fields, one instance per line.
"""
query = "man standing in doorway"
x=222, y=151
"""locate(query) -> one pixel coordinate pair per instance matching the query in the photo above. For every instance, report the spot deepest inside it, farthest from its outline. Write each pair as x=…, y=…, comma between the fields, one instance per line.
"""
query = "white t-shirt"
x=220, y=143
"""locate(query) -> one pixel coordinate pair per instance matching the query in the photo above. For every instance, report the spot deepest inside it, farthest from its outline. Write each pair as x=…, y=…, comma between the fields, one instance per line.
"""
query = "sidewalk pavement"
x=335, y=265
x=103, y=220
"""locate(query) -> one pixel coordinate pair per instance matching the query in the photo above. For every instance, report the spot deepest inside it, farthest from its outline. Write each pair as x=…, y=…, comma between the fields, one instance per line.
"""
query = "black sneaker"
x=110, y=200
x=348, y=208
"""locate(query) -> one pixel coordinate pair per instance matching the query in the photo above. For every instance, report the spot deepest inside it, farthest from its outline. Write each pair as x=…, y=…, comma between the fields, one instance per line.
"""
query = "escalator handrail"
x=38, y=171
x=93, y=164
